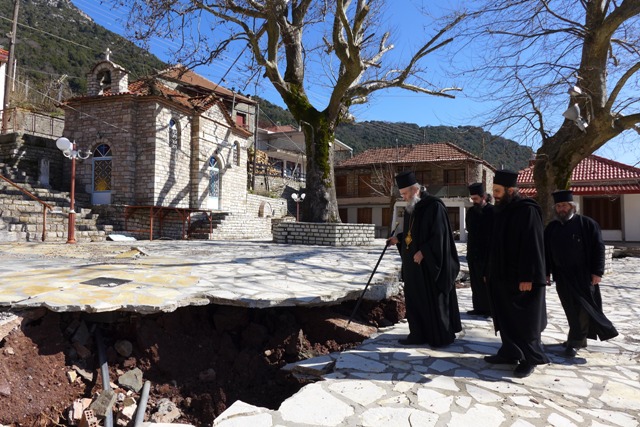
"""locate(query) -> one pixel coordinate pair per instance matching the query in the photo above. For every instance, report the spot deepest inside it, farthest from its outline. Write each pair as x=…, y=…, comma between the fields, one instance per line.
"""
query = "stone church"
x=166, y=149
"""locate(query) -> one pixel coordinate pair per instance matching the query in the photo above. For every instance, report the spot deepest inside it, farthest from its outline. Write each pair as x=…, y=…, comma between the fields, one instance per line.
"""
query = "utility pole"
x=10, y=75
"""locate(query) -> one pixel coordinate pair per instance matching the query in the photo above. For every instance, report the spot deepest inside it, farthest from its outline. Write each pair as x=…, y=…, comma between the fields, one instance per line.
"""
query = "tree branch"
x=630, y=121
x=620, y=85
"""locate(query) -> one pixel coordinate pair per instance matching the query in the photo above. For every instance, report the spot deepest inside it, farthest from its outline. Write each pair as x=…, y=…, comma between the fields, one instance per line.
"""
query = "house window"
x=344, y=214
x=364, y=186
x=174, y=134
x=423, y=177
x=276, y=166
x=454, y=177
x=341, y=186
x=365, y=216
x=605, y=211
x=241, y=120
x=387, y=217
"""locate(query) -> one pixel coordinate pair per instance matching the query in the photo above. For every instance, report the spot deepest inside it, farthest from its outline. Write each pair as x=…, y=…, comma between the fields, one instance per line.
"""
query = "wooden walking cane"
x=355, y=309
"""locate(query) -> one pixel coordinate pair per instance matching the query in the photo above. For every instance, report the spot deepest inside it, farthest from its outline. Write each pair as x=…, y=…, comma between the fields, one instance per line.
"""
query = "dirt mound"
x=198, y=360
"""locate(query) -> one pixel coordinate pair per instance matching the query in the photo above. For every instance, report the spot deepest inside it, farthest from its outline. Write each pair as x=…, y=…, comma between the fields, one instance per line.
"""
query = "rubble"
x=131, y=380
x=166, y=412
x=233, y=353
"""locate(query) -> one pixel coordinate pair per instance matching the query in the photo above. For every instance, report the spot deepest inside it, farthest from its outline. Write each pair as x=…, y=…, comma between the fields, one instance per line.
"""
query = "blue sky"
x=392, y=105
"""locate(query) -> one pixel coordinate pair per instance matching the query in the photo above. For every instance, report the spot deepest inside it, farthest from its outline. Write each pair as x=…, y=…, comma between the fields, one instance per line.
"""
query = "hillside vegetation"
x=56, y=46
x=499, y=152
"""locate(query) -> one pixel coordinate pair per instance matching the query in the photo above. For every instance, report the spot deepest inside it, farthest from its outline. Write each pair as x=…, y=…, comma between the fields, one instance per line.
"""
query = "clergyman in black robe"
x=429, y=267
x=575, y=256
x=478, y=222
x=516, y=278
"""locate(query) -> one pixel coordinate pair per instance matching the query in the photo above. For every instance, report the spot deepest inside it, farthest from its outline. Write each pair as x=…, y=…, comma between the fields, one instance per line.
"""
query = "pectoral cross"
x=408, y=239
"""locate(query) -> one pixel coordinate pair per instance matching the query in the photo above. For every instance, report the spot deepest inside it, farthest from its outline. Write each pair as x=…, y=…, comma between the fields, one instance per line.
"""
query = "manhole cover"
x=106, y=282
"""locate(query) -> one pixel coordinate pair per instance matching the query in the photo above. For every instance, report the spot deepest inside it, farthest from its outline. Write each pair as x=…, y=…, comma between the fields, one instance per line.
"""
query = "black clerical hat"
x=506, y=178
x=476, y=189
x=406, y=179
x=562, y=196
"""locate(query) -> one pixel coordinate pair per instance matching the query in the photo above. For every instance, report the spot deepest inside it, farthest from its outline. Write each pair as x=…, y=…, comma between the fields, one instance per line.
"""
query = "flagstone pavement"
x=380, y=382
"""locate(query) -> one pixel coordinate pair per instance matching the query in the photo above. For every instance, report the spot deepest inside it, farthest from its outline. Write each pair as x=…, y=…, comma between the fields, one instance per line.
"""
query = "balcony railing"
x=443, y=190
x=25, y=121
x=438, y=190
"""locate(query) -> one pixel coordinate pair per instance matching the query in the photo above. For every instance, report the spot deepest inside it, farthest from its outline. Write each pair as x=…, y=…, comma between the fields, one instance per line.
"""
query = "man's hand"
x=417, y=258
x=392, y=241
x=595, y=280
x=548, y=280
x=526, y=286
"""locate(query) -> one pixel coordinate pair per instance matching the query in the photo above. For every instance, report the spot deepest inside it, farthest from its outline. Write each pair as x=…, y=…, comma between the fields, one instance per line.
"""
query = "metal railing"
x=25, y=121
x=45, y=205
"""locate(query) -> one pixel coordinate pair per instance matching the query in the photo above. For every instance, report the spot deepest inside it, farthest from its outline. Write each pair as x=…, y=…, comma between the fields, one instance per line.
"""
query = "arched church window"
x=174, y=133
x=102, y=168
x=102, y=150
x=236, y=153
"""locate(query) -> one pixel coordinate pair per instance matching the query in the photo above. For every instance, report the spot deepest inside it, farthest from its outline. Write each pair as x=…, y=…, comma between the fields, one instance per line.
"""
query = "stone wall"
x=171, y=175
x=608, y=259
x=112, y=123
x=261, y=206
x=25, y=152
x=325, y=234
x=214, y=138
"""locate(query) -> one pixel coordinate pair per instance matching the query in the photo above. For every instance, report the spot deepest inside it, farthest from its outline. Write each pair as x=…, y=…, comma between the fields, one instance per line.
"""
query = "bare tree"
x=283, y=40
x=383, y=184
x=547, y=57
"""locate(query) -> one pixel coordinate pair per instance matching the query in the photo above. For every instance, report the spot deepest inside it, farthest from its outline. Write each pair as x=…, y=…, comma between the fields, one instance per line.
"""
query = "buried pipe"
x=142, y=405
x=104, y=369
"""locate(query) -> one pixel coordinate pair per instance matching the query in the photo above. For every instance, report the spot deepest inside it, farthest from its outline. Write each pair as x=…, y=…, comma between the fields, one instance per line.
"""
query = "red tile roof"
x=593, y=175
x=420, y=153
x=188, y=77
x=152, y=87
x=281, y=128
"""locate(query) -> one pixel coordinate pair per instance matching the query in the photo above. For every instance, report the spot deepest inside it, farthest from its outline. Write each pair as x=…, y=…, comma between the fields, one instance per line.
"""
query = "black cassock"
x=574, y=252
x=479, y=222
x=517, y=255
x=429, y=287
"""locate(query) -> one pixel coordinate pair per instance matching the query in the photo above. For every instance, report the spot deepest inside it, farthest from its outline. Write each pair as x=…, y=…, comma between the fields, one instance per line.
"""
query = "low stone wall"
x=325, y=234
x=263, y=207
x=608, y=259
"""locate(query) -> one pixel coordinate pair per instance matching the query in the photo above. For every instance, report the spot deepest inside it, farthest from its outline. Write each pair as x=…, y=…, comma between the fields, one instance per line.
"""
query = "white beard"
x=411, y=204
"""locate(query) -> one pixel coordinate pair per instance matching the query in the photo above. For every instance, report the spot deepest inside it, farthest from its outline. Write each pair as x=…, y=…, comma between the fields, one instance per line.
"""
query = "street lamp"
x=69, y=150
x=298, y=200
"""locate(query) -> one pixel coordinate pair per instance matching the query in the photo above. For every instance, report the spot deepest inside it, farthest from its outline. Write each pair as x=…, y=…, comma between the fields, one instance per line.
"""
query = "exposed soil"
x=201, y=358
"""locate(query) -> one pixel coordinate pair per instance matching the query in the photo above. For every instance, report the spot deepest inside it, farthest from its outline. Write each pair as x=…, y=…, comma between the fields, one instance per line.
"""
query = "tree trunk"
x=320, y=203
x=553, y=168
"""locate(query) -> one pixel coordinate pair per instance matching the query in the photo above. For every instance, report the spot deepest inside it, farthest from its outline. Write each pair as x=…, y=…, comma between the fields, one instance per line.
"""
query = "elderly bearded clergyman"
x=429, y=266
x=575, y=255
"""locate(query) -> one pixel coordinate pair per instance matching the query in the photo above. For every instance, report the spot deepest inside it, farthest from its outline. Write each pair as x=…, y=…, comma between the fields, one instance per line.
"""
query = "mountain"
x=499, y=152
x=56, y=46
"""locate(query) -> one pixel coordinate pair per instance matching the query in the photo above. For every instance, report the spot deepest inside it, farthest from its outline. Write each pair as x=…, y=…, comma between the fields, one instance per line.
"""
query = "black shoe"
x=499, y=360
x=523, y=370
x=478, y=313
x=409, y=341
x=570, y=352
